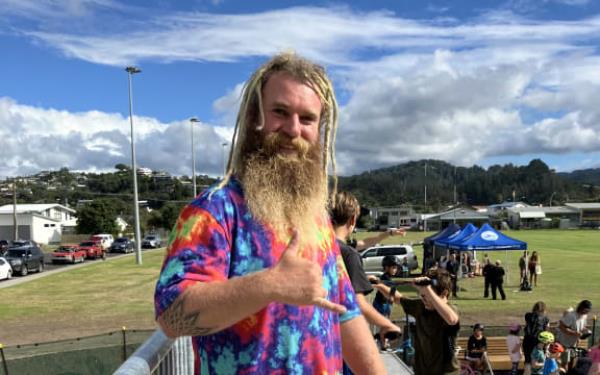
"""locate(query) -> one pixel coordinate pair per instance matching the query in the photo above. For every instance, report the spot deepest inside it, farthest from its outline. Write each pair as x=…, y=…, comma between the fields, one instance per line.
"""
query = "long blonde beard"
x=286, y=191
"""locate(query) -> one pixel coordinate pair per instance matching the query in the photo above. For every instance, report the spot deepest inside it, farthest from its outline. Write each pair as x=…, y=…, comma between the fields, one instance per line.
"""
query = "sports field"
x=105, y=296
x=570, y=263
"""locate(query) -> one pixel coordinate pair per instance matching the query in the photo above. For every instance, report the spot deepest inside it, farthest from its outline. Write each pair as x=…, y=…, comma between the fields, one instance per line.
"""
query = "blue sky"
x=469, y=82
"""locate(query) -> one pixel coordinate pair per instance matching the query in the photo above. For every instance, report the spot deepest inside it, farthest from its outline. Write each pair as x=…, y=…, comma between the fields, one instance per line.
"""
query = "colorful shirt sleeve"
x=198, y=251
x=346, y=292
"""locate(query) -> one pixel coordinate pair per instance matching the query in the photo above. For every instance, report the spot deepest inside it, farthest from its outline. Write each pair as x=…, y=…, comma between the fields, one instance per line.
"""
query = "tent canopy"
x=468, y=230
x=489, y=239
x=444, y=233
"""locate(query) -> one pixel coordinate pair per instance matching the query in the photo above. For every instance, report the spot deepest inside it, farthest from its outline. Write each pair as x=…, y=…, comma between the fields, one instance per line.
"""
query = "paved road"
x=50, y=269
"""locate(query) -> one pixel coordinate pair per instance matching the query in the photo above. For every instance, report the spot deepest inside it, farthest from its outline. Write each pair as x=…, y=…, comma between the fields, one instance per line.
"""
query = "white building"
x=42, y=223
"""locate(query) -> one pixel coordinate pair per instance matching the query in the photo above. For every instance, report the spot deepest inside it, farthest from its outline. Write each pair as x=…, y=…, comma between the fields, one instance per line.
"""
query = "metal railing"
x=163, y=356
x=160, y=355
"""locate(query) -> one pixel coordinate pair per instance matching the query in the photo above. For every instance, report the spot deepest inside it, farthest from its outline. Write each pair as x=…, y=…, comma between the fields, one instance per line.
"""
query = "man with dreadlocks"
x=253, y=270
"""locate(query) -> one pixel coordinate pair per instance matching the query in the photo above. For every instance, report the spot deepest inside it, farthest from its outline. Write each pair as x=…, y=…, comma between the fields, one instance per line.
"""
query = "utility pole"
x=15, y=224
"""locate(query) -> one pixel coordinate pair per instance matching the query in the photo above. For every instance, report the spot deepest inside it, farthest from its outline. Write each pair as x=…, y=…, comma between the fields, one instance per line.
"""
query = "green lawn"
x=569, y=259
x=105, y=296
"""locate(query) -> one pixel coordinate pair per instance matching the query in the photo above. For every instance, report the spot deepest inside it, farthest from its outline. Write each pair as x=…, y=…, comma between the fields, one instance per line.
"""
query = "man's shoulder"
x=217, y=197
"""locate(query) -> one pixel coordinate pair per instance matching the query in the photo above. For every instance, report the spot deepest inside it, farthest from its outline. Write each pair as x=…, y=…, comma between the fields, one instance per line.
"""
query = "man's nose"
x=291, y=127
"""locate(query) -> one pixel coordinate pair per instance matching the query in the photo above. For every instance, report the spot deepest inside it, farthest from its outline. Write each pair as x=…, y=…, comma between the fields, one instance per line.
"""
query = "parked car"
x=5, y=269
x=93, y=249
x=106, y=240
x=23, y=259
x=68, y=253
x=3, y=247
x=151, y=241
x=122, y=245
x=373, y=256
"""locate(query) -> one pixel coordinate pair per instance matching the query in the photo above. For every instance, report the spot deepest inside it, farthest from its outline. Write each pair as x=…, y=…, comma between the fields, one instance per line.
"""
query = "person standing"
x=523, y=266
x=534, y=266
x=513, y=344
x=436, y=322
x=452, y=267
x=536, y=322
x=571, y=327
x=487, y=271
x=497, y=279
x=253, y=271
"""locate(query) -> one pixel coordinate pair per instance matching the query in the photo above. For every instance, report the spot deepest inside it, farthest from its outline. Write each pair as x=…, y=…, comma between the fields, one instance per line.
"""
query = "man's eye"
x=279, y=111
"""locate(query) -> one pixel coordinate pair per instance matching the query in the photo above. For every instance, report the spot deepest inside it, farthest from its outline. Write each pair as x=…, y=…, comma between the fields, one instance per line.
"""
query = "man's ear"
x=352, y=222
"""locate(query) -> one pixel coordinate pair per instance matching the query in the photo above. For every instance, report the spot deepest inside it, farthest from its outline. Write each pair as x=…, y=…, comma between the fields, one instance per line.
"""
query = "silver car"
x=373, y=256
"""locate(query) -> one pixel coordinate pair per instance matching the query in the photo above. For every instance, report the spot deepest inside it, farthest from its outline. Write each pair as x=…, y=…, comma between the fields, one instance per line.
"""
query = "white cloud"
x=40, y=138
x=461, y=91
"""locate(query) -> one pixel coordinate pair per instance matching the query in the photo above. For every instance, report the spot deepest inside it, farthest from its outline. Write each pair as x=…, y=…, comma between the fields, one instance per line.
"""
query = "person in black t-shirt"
x=477, y=347
x=344, y=212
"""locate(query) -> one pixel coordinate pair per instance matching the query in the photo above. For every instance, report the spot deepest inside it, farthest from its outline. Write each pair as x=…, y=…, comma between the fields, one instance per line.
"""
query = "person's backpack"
x=532, y=326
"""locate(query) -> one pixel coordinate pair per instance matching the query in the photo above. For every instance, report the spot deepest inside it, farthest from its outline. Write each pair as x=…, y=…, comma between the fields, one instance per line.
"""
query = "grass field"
x=105, y=296
x=569, y=258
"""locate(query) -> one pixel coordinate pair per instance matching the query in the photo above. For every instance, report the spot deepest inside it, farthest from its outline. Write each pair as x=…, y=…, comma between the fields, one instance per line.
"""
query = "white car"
x=5, y=269
x=373, y=256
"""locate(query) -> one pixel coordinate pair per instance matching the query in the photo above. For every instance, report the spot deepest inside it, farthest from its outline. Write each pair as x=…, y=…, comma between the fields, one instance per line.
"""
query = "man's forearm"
x=359, y=349
x=209, y=307
x=371, y=315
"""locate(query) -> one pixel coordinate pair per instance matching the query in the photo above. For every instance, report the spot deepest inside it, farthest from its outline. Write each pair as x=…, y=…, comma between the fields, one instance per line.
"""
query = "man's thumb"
x=292, y=246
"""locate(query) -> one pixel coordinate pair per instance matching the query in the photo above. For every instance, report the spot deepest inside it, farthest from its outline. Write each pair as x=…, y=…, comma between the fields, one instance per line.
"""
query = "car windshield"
x=150, y=238
x=90, y=243
x=19, y=243
x=16, y=253
x=121, y=240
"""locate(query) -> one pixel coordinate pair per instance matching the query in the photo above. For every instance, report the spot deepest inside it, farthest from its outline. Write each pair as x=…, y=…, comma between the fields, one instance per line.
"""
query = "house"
x=459, y=215
x=393, y=217
x=589, y=213
x=42, y=223
x=543, y=217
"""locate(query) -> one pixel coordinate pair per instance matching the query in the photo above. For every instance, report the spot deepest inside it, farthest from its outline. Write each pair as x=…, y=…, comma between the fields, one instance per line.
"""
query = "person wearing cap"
x=477, y=347
x=513, y=343
x=538, y=356
x=551, y=366
x=572, y=326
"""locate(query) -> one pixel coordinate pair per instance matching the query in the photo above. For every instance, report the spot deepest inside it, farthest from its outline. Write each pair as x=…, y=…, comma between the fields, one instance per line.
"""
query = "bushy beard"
x=285, y=190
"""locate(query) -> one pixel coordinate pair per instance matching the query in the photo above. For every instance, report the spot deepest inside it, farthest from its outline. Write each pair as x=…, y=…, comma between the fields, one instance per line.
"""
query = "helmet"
x=478, y=326
x=546, y=337
x=389, y=261
x=556, y=348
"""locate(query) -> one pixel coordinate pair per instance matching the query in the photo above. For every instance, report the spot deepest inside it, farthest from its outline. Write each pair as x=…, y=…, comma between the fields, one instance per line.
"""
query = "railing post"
x=124, y=333
x=4, y=365
x=594, y=330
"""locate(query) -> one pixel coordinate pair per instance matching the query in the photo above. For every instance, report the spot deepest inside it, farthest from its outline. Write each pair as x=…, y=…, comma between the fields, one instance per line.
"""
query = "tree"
x=97, y=217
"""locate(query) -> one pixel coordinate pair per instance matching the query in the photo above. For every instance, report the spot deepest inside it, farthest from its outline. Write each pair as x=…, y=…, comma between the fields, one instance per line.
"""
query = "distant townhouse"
x=42, y=223
x=393, y=217
x=589, y=213
x=543, y=217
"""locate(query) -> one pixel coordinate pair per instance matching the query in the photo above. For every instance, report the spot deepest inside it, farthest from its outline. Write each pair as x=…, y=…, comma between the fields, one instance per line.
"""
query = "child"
x=513, y=343
x=476, y=347
x=594, y=355
x=551, y=363
x=390, y=267
x=538, y=356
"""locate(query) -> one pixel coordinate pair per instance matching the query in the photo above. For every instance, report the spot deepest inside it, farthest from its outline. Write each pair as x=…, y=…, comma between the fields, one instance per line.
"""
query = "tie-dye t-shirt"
x=217, y=238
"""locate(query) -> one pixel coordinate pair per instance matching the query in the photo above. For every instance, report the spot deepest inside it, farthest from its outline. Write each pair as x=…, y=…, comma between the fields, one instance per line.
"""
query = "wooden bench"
x=497, y=352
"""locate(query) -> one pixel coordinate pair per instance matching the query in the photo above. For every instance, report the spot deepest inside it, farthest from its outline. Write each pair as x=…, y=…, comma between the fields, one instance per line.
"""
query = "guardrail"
x=163, y=356
x=160, y=355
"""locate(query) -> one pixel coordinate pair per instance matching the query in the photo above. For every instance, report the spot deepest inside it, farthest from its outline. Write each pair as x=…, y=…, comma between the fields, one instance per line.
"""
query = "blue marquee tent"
x=468, y=230
x=489, y=239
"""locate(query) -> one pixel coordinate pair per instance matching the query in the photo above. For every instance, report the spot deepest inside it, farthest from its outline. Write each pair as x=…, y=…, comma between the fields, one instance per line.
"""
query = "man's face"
x=292, y=109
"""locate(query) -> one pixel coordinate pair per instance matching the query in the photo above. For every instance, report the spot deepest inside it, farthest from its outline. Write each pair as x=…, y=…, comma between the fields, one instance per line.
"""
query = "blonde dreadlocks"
x=251, y=113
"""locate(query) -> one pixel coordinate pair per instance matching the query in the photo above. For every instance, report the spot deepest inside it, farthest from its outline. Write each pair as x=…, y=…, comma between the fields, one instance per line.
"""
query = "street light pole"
x=192, y=121
x=425, y=196
x=224, y=144
x=131, y=70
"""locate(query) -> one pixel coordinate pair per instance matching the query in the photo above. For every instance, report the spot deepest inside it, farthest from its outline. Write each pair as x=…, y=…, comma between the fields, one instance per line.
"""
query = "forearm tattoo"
x=184, y=323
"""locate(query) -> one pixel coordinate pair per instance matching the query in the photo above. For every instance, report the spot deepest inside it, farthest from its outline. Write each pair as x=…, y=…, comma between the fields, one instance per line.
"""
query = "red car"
x=93, y=249
x=68, y=253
